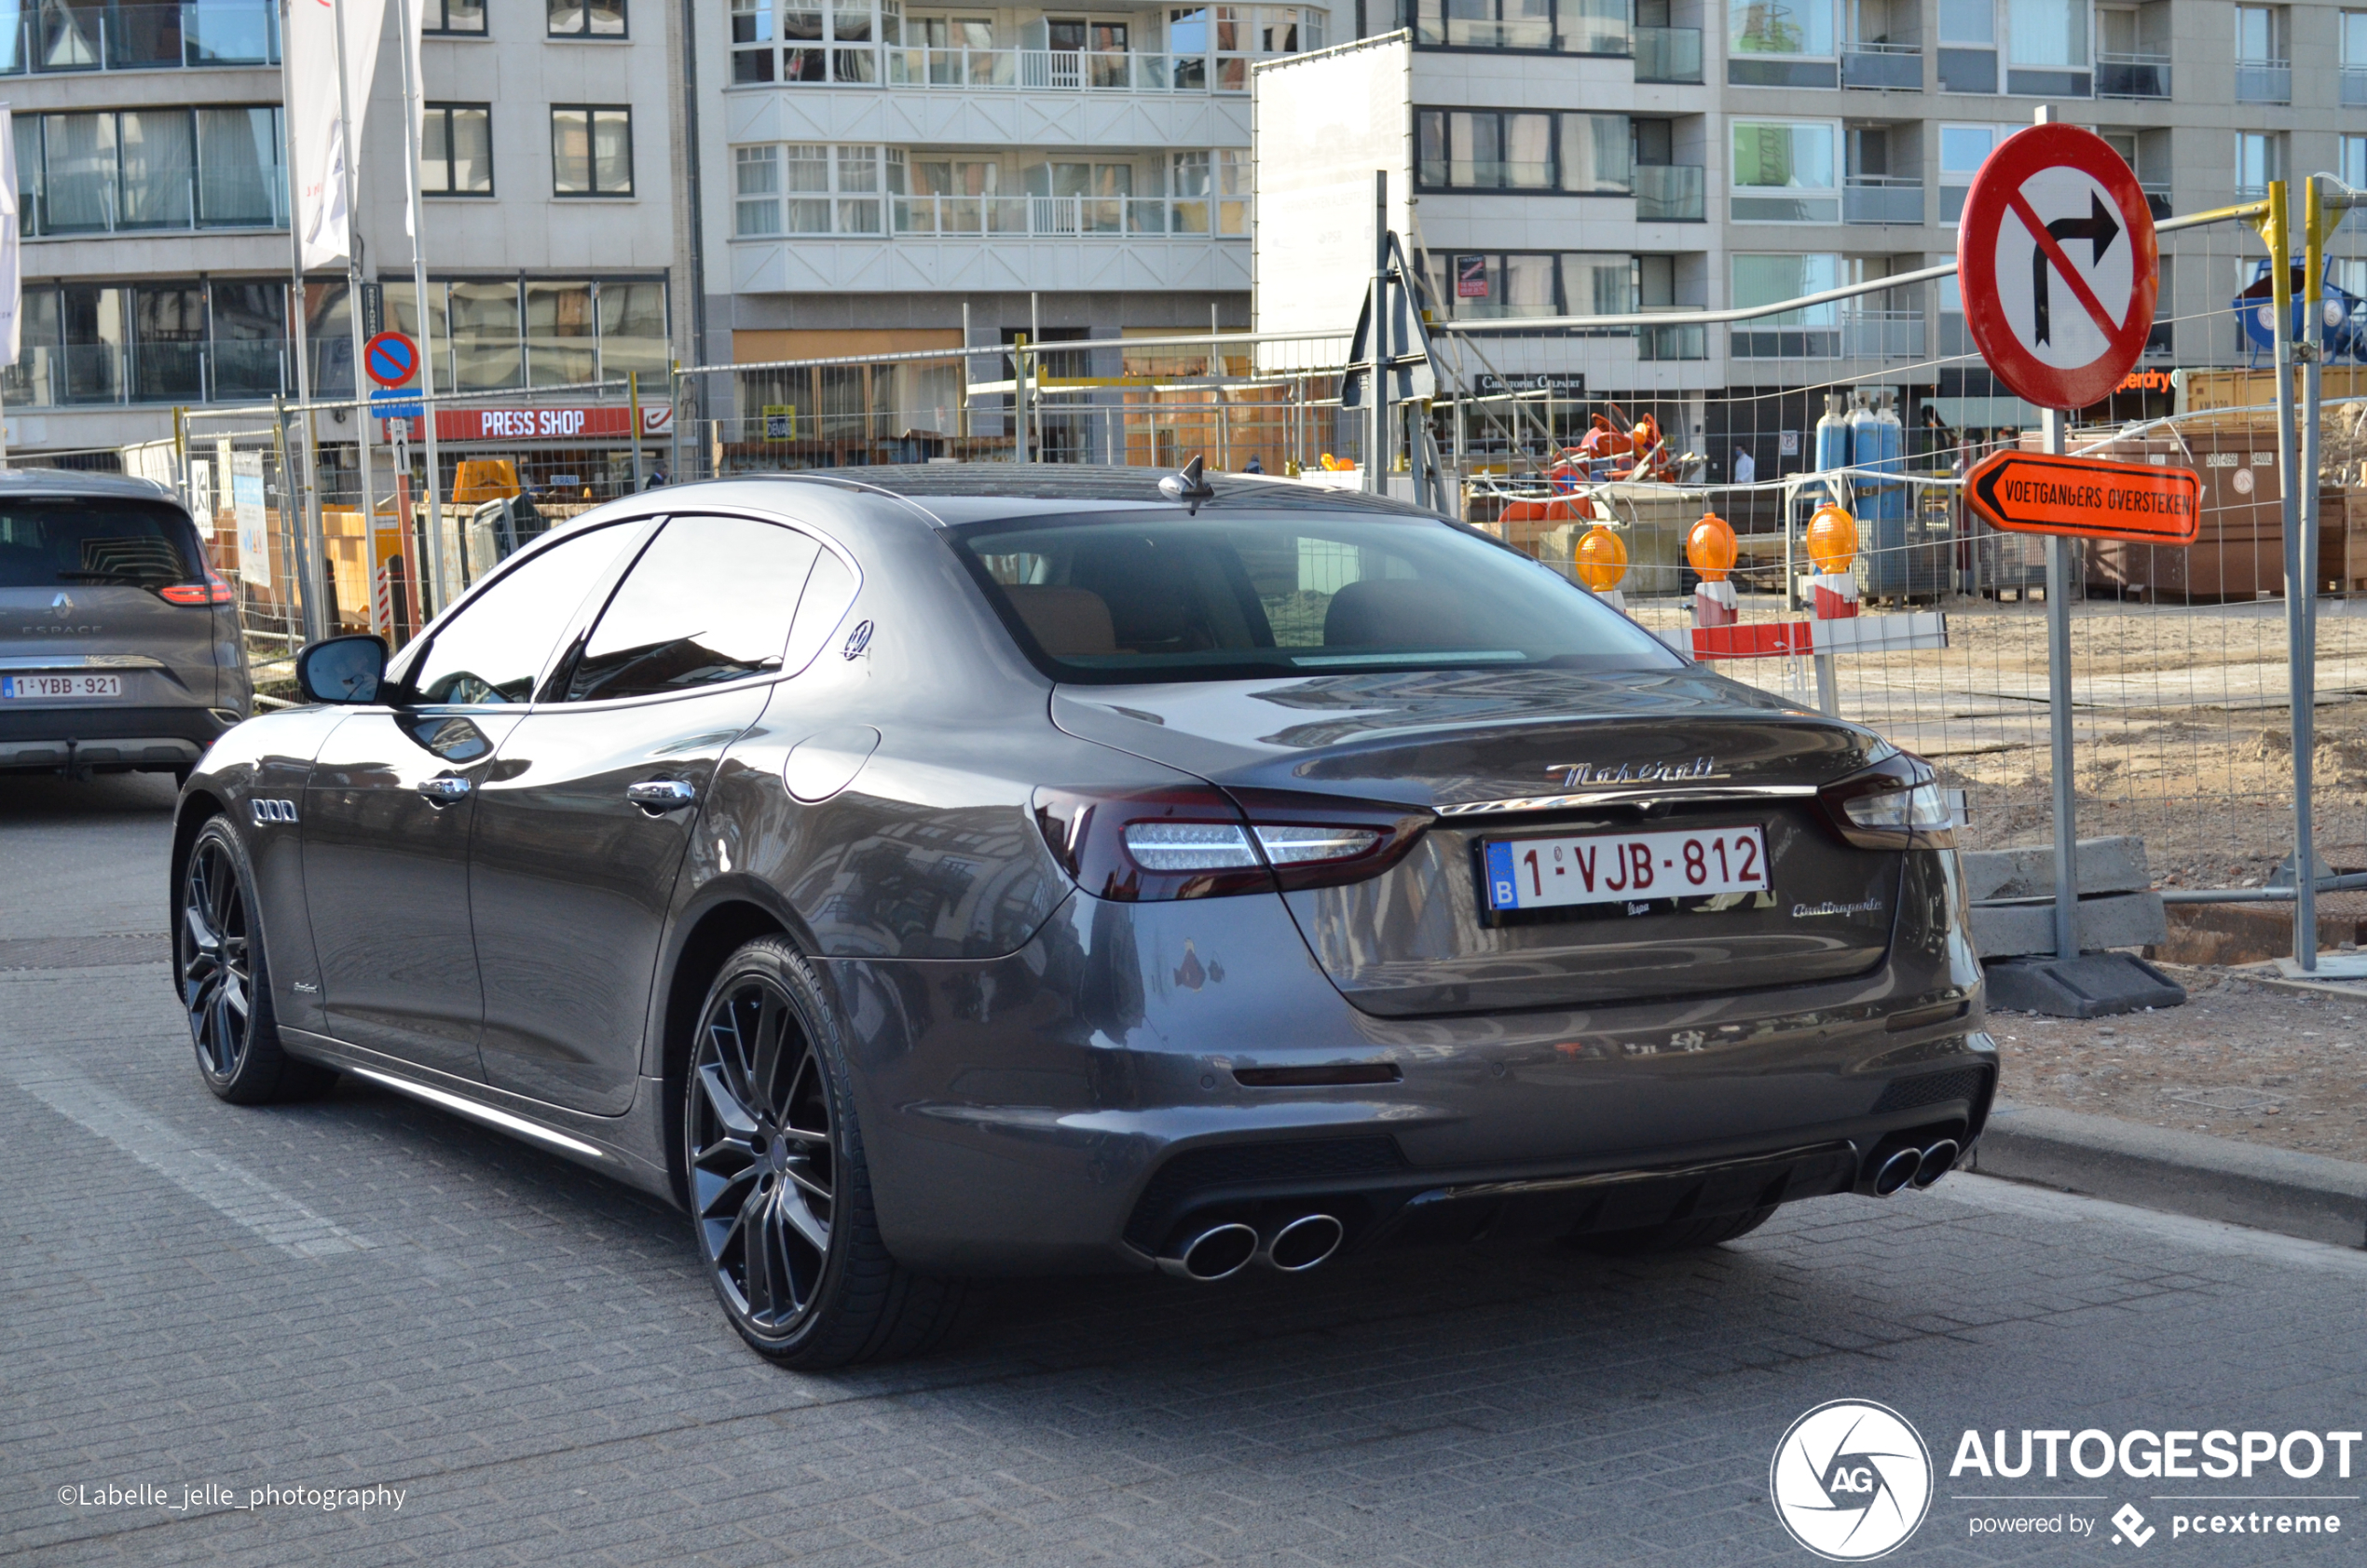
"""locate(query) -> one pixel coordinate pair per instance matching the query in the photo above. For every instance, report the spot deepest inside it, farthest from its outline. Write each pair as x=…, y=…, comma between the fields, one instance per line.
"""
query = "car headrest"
x=1064, y=620
x=1394, y=612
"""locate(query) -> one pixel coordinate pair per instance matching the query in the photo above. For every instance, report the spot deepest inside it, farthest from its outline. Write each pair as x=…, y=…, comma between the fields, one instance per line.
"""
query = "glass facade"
x=113, y=170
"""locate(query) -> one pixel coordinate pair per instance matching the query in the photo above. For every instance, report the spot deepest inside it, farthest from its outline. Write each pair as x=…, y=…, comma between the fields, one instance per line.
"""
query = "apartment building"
x=154, y=207
x=872, y=168
x=1579, y=157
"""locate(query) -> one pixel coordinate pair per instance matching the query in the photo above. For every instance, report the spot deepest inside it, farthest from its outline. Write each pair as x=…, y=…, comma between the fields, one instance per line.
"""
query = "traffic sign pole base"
x=2092, y=986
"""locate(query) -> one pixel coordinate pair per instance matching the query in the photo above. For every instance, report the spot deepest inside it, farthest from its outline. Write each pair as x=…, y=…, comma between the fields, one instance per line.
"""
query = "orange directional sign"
x=2087, y=498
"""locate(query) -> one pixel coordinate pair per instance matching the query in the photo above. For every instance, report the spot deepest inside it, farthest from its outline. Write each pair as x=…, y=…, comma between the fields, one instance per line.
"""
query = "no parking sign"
x=2058, y=265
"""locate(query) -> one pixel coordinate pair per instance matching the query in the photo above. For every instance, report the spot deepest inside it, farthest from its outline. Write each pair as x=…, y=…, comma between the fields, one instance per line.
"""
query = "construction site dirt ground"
x=2260, y=1063
x=2182, y=723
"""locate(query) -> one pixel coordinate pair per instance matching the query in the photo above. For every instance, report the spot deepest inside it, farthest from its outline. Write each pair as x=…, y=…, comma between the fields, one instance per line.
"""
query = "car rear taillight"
x=1897, y=804
x=1196, y=843
x=212, y=591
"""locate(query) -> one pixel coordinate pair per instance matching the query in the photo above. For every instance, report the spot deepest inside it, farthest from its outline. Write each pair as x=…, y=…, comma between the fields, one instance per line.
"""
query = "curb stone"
x=2306, y=1195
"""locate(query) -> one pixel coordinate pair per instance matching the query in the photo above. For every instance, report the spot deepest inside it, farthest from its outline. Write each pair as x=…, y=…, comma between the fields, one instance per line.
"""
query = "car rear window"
x=1170, y=597
x=66, y=540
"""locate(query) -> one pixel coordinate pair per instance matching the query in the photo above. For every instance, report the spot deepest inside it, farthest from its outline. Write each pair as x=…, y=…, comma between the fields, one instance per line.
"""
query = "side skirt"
x=627, y=1148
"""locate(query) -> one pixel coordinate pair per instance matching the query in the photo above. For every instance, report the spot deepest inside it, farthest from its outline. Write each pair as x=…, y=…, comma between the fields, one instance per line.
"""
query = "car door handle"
x=446, y=791
x=661, y=795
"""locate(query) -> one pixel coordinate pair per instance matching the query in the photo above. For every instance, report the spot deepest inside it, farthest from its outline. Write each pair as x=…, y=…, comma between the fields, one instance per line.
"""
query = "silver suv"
x=119, y=648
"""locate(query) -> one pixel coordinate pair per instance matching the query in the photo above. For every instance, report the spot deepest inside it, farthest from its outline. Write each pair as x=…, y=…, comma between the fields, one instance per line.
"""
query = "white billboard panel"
x=1320, y=125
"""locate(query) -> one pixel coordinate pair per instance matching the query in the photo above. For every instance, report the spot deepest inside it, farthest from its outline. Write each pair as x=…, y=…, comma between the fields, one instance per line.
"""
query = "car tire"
x=1678, y=1235
x=222, y=974
x=779, y=1182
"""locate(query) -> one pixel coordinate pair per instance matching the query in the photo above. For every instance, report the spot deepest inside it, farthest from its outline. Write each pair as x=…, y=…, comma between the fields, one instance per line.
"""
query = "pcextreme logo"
x=1851, y=1480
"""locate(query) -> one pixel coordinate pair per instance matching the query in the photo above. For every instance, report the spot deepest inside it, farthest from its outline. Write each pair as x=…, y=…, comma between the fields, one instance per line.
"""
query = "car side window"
x=493, y=650
x=710, y=600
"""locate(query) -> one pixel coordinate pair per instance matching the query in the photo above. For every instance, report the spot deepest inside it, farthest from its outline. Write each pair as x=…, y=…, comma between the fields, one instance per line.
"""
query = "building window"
x=827, y=40
x=585, y=18
x=1561, y=26
x=450, y=17
x=1794, y=158
x=756, y=186
x=591, y=151
x=2354, y=47
x=2048, y=52
x=2352, y=164
x=2263, y=55
x=1808, y=333
x=1968, y=46
x=1963, y=149
x=1488, y=149
x=1498, y=285
x=176, y=340
x=111, y=171
x=1211, y=193
x=812, y=188
x=2260, y=160
x=455, y=150
x=1780, y=43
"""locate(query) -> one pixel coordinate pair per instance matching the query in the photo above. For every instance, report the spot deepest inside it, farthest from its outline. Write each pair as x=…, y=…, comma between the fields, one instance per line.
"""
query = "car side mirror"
x=342, y=669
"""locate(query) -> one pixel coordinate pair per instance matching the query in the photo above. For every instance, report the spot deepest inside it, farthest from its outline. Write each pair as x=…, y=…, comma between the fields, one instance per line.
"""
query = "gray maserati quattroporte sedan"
x=927, y=874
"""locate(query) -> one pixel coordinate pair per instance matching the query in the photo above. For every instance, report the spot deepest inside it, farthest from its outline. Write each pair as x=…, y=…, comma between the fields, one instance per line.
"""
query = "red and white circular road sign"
x=2058, y=262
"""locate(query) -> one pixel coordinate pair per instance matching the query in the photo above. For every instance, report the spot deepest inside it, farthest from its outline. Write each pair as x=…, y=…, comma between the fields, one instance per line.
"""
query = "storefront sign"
x=611, y=422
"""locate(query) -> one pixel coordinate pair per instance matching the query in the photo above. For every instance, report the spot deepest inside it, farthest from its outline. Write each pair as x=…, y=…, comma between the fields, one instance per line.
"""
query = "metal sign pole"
x=2058, y=718
x=1376, y=411
x=2305, y=666
x=2300, y=580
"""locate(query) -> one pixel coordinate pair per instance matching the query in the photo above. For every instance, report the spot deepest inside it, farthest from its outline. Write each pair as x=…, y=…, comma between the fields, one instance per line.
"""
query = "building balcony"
x=1668, y=54
x=1682, y=340
x=1882, y=199
x=58, y=37
x=1853, y=335
x=1067, y=217
x=2132, y=75
x=85, y=374
x=1066, y=71
x=1671, y=193
x=1898, y=67
x=2264, y=81
x=82, y=204
x=2156, y=198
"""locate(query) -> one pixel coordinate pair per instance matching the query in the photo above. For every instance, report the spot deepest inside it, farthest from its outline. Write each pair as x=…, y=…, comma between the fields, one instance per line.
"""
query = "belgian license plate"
x=52, y=688
x=1623, y=867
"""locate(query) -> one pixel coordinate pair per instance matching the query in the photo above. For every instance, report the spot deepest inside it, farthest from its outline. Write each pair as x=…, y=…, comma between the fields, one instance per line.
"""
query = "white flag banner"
x=11, y=248
x=317, y=147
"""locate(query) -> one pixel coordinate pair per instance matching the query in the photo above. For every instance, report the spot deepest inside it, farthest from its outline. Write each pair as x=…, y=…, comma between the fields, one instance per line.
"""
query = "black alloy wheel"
x=217, y=965
x=763, y=1167
x=779, y=1190
x=225, y=990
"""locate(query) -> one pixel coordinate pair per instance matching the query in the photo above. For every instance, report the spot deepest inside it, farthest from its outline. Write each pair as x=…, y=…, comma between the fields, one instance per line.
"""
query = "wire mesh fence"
x=1877, y=401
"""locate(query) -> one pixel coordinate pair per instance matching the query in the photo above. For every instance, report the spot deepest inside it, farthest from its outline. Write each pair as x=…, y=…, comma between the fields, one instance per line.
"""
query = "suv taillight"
x=212, y=591
x=1197, y=842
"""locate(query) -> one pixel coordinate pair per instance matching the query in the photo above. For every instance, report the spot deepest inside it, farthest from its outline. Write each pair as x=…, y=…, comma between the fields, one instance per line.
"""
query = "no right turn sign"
x=2057, y=259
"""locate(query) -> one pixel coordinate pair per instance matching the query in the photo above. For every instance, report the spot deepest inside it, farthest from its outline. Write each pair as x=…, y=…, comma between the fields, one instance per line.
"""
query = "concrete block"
x=2122, y=919
x=2116, y=865
x=2092, y=986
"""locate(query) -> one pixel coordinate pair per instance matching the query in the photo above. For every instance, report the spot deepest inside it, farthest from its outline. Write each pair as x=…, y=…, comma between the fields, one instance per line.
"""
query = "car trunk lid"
x=1510, y=756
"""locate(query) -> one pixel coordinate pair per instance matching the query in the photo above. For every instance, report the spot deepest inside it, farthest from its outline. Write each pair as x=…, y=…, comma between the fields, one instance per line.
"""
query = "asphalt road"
x=364, y=1293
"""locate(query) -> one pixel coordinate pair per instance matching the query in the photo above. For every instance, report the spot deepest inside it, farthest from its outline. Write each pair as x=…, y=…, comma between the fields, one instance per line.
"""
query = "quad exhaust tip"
x=1219, y=1252
x=1301, y=1244
x=1913, y=1166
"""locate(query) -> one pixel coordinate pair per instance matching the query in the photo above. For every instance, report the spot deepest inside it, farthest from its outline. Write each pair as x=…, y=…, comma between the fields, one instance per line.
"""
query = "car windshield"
x=57, y=541
x=1167, y=598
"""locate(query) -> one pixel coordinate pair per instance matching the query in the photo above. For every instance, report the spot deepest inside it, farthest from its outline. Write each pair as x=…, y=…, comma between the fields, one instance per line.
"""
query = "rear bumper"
x=53, y=738
x=1076, y=1106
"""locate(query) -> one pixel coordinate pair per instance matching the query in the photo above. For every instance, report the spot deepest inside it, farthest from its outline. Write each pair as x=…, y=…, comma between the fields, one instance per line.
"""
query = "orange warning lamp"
x=1602, y=559
x=1832, y=539
x=1710, y=548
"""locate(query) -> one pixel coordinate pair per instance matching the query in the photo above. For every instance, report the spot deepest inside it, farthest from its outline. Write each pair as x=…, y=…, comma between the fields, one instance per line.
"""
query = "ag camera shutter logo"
x=1851, y=1480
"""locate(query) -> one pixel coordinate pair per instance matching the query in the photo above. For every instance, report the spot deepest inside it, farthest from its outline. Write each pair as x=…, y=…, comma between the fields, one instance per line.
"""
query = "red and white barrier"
x=1798, y=639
